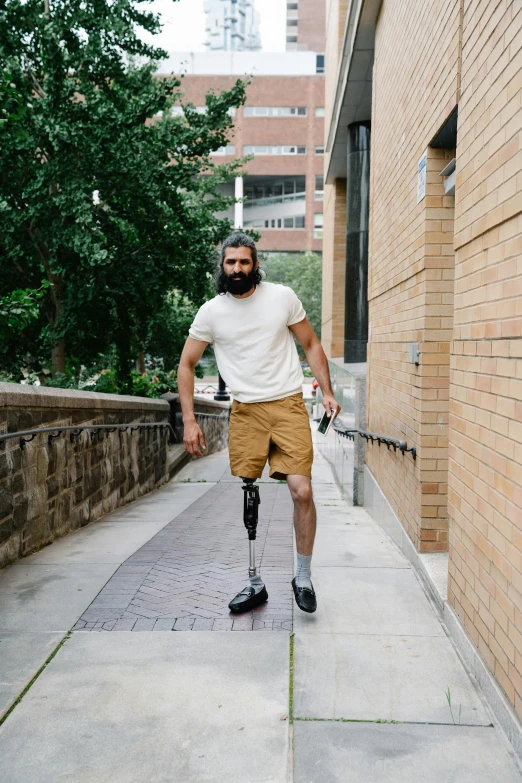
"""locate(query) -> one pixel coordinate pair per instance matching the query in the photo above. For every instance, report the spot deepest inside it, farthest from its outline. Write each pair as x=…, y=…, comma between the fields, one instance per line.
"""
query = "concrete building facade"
x=423, y=239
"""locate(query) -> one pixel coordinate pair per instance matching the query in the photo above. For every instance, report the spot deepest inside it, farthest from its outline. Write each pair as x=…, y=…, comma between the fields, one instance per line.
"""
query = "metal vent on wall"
x=449, y=173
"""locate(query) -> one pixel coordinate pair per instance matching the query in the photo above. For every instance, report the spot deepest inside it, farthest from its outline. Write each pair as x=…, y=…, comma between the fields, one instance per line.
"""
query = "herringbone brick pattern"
x=184, y=577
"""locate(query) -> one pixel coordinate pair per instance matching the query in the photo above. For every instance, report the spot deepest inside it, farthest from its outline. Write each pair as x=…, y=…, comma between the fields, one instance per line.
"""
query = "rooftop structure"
x=240, y=63
x=232, y=26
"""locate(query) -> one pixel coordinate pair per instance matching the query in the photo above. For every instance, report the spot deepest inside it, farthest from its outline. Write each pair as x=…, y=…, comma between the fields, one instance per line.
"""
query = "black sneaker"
x=248, y=599
x=305, y=598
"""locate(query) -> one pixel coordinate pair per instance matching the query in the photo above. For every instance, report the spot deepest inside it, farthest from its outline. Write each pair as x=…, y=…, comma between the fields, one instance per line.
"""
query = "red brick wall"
x=311, y=25
x=309, y=131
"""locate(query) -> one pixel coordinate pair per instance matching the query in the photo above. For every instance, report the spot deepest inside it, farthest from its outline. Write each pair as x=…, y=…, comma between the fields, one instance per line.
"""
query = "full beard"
x=237, y=287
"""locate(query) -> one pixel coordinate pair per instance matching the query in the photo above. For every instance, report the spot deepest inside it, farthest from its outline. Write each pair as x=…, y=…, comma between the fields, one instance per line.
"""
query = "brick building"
x=423, y=271
x=281, y=125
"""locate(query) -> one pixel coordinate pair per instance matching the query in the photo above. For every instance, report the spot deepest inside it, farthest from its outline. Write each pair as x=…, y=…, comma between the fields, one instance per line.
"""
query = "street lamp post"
x=221, y=395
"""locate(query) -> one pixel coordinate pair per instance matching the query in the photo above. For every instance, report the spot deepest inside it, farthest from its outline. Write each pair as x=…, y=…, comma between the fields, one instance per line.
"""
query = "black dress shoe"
x=305, y=598
x=248, y=599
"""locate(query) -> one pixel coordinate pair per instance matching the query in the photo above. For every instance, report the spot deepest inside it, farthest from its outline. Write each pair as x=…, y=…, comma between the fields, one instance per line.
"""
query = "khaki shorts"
x=278, y=431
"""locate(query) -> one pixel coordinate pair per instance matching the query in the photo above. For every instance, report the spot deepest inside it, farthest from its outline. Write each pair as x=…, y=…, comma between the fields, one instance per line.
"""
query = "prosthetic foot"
x=254, y=593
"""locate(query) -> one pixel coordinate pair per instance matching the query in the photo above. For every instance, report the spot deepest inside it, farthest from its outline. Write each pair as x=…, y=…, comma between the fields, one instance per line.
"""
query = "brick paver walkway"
x=184, y=577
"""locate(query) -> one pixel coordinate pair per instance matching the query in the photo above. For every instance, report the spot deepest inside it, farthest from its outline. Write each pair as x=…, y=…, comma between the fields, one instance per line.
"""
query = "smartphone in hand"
x=326, y=422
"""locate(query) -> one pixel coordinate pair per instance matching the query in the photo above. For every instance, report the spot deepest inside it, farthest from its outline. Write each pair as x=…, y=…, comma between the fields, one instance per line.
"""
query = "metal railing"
x=96, y=429
x=76, y=430
x=394, y=443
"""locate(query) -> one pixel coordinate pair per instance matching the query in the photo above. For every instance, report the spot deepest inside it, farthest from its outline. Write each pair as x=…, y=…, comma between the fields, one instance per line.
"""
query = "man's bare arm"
x=317, y=360
x=192, y=437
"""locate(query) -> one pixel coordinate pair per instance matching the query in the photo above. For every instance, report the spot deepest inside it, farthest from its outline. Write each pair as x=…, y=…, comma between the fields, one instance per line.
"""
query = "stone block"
x=52, y=486
x=6, y=499
x=5, y=466
x=37, y=497
x=18, y=420
x=93, y=480
x=42, y=463
x=20, y=512
x=78, y=493
x=6, y=529
x=18, y=483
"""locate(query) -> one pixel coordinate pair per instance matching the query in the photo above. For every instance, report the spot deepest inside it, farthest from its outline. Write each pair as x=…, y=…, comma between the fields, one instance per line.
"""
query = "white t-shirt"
x=254, y=348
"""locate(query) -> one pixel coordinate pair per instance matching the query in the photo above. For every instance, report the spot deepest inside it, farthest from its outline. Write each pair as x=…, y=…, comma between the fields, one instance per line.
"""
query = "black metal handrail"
x=95, y=429
x=76, y=430
x=393, y=443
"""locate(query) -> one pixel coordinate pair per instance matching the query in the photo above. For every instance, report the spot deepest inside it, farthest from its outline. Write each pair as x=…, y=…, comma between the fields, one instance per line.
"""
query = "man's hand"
x=330, y=403
x=193, y=439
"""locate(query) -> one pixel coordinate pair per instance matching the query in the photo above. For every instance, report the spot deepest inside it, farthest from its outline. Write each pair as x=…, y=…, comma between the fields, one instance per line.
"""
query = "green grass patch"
x=32, y=682
x=291, y=682
x=346, y=720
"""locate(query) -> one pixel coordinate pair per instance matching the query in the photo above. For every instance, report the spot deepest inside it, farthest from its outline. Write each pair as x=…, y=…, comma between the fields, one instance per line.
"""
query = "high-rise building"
x=232, y=26
x=305, y=26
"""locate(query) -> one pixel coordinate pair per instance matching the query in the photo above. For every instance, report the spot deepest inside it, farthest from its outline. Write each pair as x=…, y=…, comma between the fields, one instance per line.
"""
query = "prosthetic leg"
x=254, y=593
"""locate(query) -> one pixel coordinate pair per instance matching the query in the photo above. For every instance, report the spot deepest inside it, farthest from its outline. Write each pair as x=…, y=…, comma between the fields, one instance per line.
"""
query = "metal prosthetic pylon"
x=250, y=596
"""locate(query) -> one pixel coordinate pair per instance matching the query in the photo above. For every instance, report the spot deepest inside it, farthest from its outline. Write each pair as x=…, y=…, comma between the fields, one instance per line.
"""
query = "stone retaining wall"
x=211, y=415
x=48, y=490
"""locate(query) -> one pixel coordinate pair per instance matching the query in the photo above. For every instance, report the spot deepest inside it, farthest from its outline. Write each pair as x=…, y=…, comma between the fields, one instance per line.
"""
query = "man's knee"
x=302, y=492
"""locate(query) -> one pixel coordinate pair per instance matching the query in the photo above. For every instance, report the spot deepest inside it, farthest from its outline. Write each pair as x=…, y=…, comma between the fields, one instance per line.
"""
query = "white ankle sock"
x=256, y=582
x=304, y=571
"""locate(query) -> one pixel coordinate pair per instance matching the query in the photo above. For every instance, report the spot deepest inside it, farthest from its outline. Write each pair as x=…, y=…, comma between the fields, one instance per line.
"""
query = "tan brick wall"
x=334, y=267
x=336, y=11
x=485, y=452
x=411, y=267
x=334, y=239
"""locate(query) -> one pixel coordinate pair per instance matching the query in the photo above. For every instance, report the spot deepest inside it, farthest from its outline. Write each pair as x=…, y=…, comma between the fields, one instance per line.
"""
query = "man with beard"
x=251, y=324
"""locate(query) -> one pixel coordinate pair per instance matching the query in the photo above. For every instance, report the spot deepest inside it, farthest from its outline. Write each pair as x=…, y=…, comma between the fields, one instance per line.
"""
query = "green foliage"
x=303, y=273
x=18, y=309
x=168, y=328
x=152, y=383
x=113, y=208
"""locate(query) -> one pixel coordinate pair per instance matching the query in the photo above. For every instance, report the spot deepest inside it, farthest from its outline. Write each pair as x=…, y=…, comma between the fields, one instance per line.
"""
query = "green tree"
x=103, y=192
x=303, y=273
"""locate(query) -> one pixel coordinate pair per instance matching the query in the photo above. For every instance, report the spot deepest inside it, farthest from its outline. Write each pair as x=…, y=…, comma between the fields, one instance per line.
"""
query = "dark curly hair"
x=238, y=239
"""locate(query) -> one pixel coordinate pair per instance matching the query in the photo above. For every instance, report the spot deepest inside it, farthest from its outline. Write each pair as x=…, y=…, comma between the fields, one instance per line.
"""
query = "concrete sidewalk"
x=357, y=693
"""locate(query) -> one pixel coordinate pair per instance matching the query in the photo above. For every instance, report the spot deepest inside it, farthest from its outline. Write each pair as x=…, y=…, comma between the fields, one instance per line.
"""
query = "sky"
x=184, y=25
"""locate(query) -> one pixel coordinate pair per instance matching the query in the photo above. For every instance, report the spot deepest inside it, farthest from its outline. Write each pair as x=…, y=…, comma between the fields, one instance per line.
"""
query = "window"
x=318, y=225
x=273, y=150
x=319, y=63
x=292, y=6
x=319, y=111
x=291, y=22
x=319, y=188
x=291, y=39
x=276, y=223
x=274, y=191
x=275, y=111
x=319, y=150
x=179, y=111
x=228, y=150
